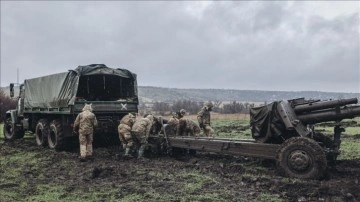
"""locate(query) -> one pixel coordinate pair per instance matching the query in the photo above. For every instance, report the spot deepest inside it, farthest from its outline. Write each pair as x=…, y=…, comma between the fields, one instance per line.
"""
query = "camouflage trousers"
x=208, y=131
x=125, y=136
x=86, y=148
x=139, y=137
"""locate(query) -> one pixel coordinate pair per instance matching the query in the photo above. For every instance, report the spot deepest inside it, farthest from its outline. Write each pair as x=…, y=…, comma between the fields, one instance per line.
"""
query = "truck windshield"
x=105, y=88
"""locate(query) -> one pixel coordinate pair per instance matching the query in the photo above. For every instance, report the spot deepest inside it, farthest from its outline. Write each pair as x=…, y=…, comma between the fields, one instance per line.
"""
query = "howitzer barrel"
x=330, y=115
x=324, y=105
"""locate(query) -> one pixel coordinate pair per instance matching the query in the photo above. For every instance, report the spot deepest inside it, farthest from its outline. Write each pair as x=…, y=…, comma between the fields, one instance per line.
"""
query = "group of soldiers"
x=134, y=132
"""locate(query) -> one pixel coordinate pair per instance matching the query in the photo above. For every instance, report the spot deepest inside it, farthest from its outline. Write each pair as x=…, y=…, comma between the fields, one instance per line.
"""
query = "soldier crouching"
x=187, y=127
x=124, y=130
x=141, y=131
x=85, y=123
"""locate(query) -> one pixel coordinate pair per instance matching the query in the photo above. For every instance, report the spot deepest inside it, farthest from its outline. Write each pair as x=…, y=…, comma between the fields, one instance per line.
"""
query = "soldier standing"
x=141, y=131
x=124, y=130
x=84, y=125
x=204, y=119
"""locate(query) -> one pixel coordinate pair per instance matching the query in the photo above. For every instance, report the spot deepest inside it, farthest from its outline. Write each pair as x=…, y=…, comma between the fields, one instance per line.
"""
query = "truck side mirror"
x=11, y=90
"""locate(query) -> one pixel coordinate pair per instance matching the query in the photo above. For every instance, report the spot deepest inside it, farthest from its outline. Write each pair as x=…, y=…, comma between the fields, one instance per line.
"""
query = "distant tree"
x=232, y=108
x=142, y=108
x=6, y=103
x=191, y=107
x=161, y=107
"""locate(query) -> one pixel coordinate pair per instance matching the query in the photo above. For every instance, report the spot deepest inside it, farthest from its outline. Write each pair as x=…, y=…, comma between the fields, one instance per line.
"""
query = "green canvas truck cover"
x=59, y=90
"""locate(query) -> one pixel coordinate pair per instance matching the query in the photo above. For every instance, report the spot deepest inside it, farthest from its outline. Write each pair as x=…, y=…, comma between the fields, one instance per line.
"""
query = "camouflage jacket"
x=142, y=126
x=124, y=129
x=127, y=120
x=85, y=122
x=204, y=116
x=172, y=126
x=187, y=126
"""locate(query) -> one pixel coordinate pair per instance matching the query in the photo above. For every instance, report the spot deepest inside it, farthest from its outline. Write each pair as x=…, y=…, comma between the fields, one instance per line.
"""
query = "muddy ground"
x=38, y=174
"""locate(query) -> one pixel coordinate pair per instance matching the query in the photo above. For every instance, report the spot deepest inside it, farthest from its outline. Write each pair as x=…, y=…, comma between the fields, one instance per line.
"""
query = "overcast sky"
x=285, y=46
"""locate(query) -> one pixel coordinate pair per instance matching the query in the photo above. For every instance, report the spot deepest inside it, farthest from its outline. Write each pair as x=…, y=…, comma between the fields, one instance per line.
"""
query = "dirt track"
x=204, y=177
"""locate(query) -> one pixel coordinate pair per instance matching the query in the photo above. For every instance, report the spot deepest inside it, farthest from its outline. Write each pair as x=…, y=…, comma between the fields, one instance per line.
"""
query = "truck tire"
x=11, y=131
x=41, y=132
x=301, y=157
x=56, y=135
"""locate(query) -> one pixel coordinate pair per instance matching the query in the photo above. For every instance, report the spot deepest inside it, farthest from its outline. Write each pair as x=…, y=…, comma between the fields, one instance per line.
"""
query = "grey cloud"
x=237, y=45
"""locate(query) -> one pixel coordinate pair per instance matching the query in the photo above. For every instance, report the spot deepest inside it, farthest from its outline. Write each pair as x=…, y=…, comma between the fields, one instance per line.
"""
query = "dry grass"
x=216, y=116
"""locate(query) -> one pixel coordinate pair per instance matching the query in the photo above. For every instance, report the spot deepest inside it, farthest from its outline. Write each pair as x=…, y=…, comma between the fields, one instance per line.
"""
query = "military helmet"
x=150, y=117
x=182, y=111
x=208, y=105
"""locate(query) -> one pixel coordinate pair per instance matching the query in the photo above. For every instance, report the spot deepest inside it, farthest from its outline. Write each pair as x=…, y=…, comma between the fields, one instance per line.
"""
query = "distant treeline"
x=169, y=95
x=192, y=107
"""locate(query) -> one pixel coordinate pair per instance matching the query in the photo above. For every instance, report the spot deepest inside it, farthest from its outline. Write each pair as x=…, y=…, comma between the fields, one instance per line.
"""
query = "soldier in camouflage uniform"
x=172, y=125
x=124, y=130
x=141, y=131
x=187, y=127
x=204, y=119
x=181, y=113
x=84, y=125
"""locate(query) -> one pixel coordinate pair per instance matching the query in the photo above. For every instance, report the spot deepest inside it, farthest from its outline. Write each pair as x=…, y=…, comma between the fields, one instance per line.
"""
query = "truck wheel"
x=41, y=132
x=12, y=132
x=56, y=135
x=301, y=157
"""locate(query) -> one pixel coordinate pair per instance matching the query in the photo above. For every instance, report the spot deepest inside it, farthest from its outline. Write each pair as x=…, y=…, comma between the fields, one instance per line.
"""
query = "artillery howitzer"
x=284, y=131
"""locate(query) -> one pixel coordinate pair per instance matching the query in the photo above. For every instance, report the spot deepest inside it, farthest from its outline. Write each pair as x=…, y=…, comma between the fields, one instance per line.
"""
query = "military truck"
x=48, y=105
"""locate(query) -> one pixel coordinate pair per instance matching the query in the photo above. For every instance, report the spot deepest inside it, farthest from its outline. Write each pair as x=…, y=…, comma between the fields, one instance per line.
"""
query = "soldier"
x=172, y=125
x=84, y=125
x=187, y=127
x=204, y=119
x=141, y=131
x=181, y=113
x=124, y=130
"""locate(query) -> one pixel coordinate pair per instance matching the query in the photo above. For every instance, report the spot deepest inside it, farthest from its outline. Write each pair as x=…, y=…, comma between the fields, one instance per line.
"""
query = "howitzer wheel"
x=41, y=132
x=12, y=132
x=56, y=135
x=301, y=157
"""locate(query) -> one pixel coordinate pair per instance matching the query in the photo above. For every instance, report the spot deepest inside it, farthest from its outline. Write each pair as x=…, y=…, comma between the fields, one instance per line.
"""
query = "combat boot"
x=127, y=152
x=82, y=159
x=141, y=152
x=90, y=158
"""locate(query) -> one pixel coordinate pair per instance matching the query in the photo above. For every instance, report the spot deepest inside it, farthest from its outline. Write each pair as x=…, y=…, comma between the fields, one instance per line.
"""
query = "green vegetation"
x=350, y=141
x=238, y=129
x=269, y=198
x=194, y=181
